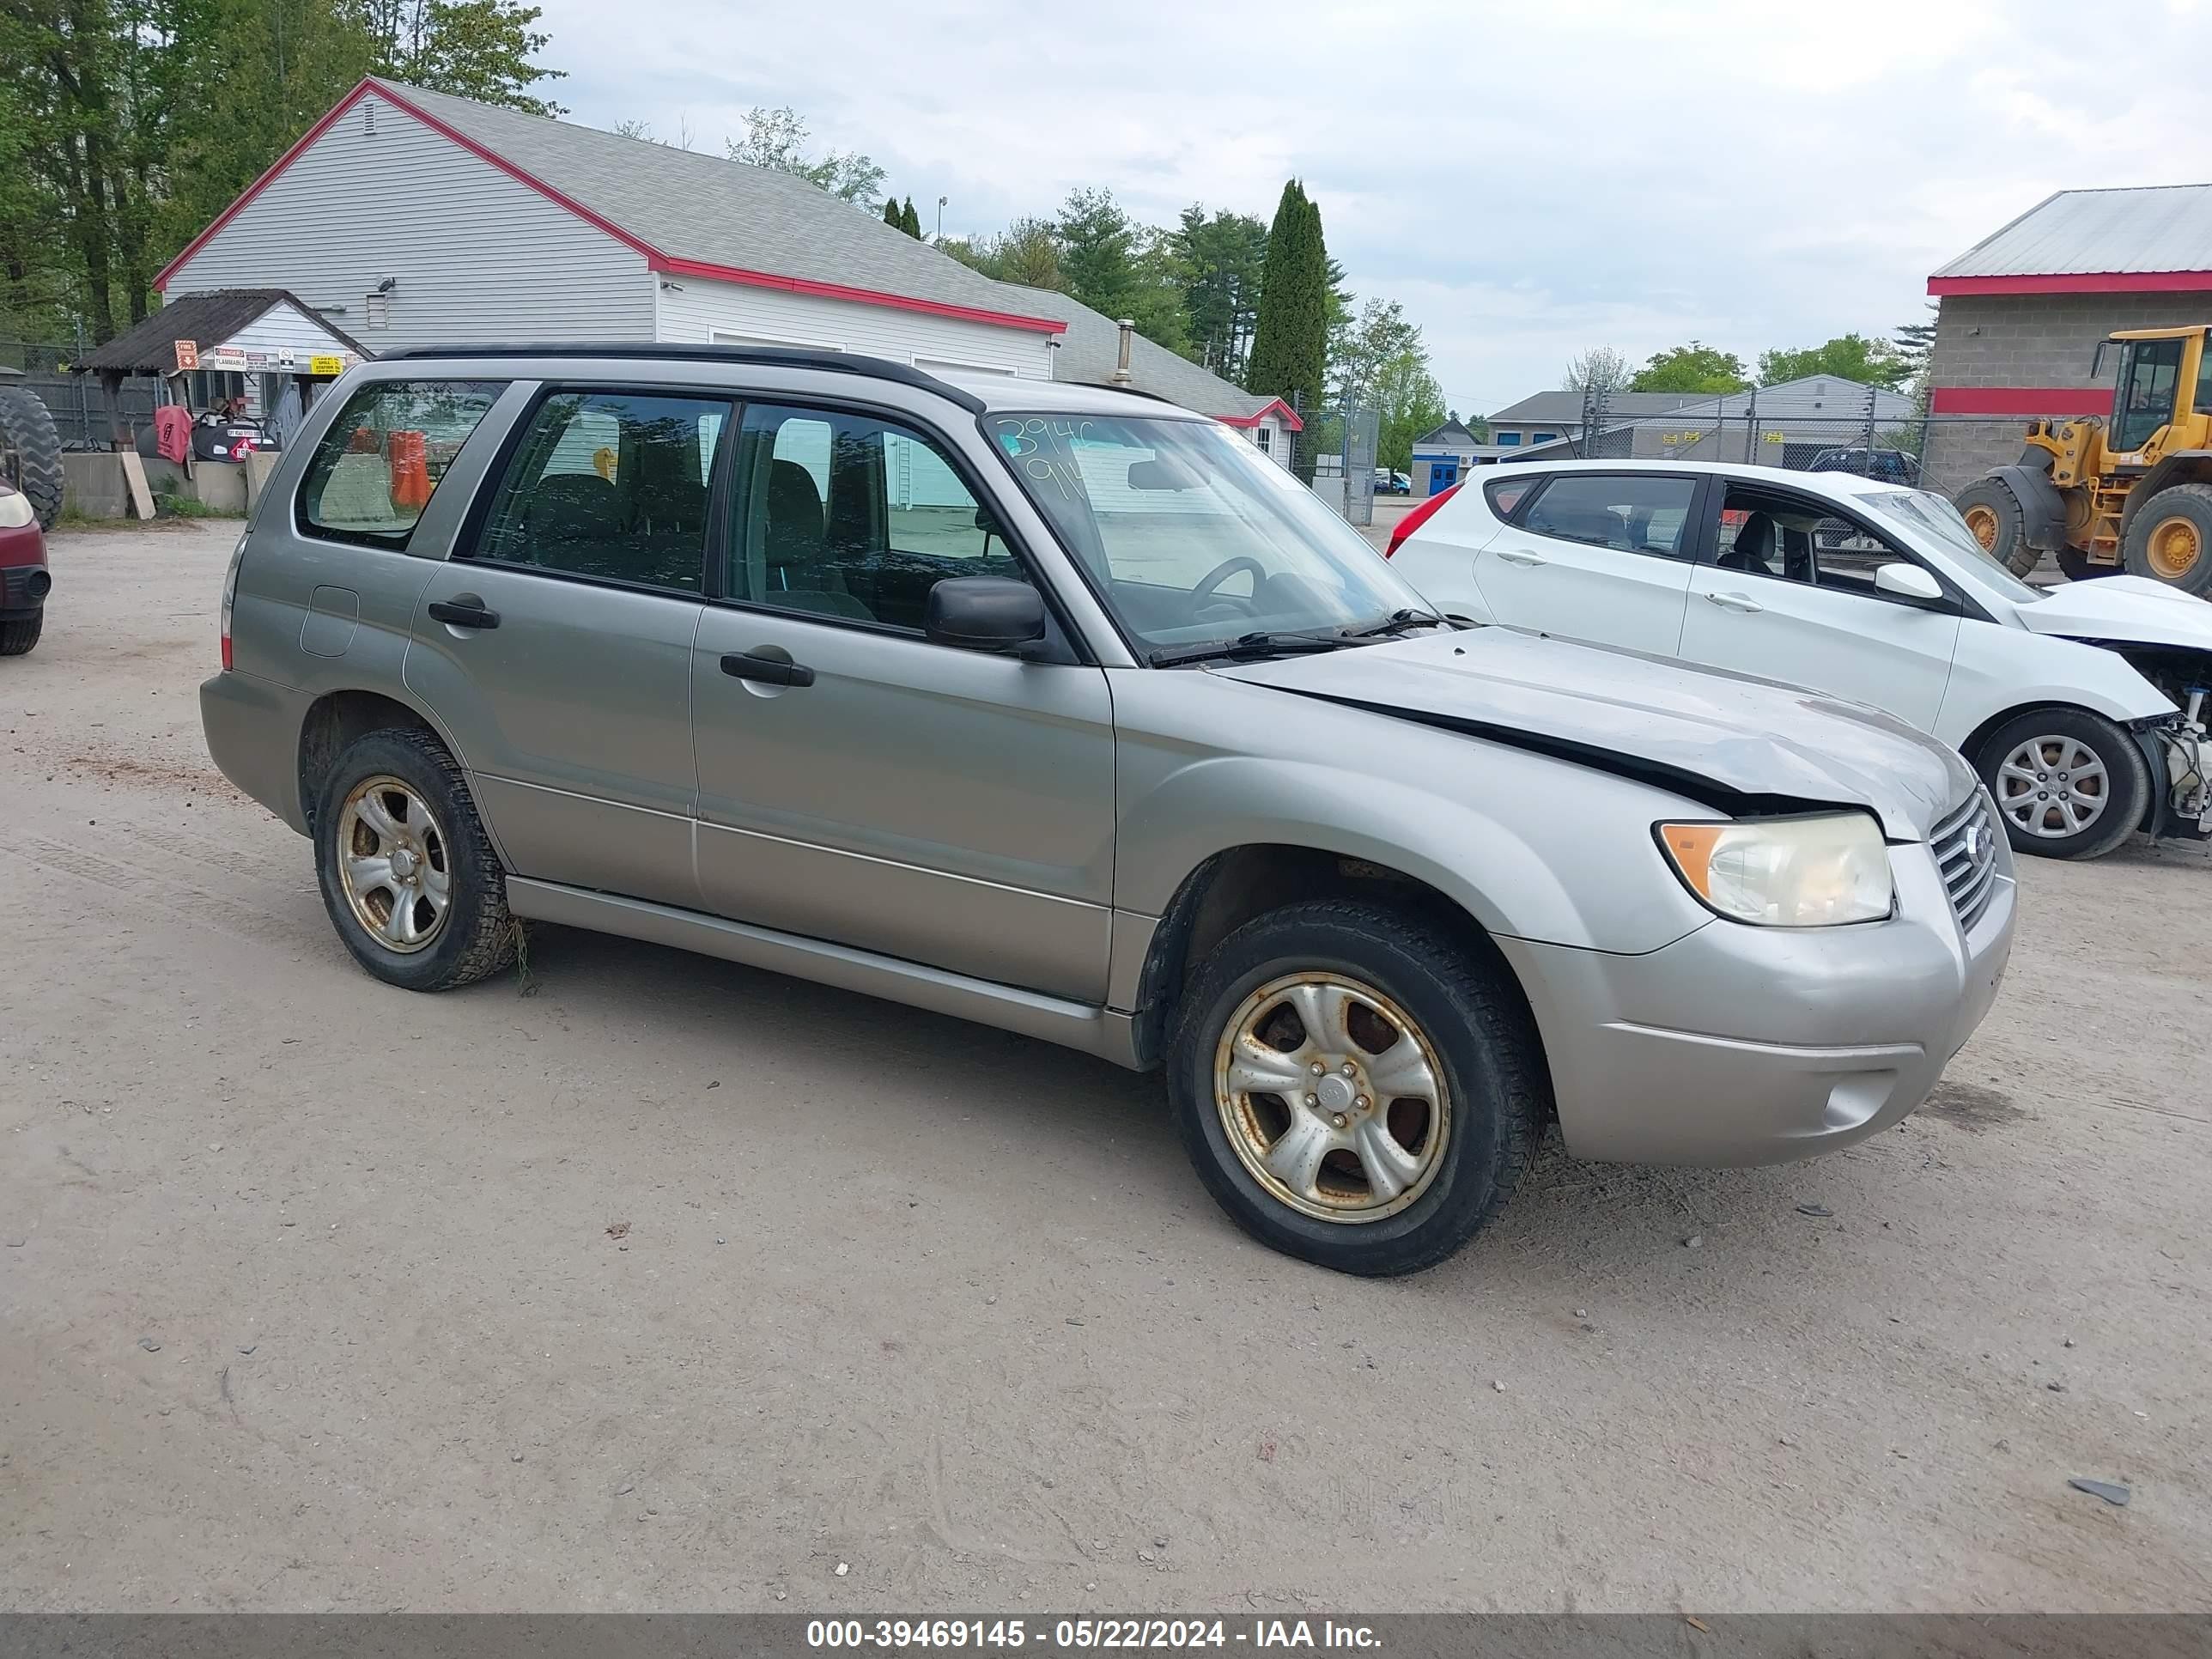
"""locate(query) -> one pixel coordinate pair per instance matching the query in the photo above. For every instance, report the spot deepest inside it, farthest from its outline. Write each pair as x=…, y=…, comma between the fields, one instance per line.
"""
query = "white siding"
x=696, y=309
x=280, y=326
x=478, y=255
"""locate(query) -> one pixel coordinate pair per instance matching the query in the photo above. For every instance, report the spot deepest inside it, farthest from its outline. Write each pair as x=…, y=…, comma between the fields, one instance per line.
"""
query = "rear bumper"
x=1740, y=1045
x=253, y=730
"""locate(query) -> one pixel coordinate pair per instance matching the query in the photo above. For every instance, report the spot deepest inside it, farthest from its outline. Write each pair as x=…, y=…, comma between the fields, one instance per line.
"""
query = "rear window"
x=1506, y=494
x=377, y=467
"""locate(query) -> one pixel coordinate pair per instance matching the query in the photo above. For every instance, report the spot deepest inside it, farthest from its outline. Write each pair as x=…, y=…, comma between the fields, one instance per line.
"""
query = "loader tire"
x=1992, y=512
x=2169, y=539
x=28, y=431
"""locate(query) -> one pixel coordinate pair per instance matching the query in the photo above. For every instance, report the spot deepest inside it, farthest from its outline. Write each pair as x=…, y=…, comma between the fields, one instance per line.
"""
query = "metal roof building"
x=2021, y=312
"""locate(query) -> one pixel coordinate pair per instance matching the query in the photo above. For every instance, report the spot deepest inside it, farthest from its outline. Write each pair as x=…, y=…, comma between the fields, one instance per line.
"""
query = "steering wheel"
x=1222, y=572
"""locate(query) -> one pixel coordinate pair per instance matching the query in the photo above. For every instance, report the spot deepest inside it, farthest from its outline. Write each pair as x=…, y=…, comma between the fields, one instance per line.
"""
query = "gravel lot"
x=658, y=1283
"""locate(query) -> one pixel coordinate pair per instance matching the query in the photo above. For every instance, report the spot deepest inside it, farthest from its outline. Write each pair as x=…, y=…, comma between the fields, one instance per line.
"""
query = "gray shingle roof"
x=1566, y=407
x=693, y=206
x=2079, y=232
x=1091, y=347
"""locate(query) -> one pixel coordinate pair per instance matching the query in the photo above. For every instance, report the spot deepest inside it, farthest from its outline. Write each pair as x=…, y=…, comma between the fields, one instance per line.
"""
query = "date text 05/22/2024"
x=1071, y=1635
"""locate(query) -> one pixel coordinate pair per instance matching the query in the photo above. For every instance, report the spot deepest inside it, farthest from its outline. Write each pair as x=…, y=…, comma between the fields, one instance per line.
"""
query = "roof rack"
x=836, y=363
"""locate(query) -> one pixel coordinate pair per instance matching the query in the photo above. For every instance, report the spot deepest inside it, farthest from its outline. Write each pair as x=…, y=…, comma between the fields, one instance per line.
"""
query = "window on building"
x=847, y=516
x=612, y=485
x=1541, y=437
x=377, y=466
x=1265, y=437
x=1506, y=439
x=1631, y=512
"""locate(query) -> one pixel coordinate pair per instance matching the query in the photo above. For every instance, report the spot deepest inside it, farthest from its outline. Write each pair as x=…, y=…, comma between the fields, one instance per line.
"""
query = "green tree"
x=910, y=221
x=1692, y=368
x=1218, y=259
x=1381, y=335
x=894, y=215
x=1290, y=339
x=1026, y=252
x=1848, y=358
x=777, y=139
x=478, y=49
x=1098, y=244
x=1409, y=403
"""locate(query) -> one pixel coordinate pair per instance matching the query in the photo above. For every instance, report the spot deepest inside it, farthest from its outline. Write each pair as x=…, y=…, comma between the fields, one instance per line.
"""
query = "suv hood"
x=1740, y=744
x=2131, y=608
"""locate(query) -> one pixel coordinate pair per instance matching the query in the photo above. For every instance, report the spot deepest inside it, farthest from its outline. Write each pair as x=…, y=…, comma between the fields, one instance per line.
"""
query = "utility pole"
x=940, y=217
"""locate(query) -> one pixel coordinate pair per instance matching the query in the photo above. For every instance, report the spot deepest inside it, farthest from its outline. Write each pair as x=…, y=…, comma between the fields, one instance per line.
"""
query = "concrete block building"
x=2021, y=312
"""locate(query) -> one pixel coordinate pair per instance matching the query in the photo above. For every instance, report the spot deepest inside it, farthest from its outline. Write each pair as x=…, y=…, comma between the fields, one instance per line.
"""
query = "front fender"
x=2009, y=668
x=1530, y=846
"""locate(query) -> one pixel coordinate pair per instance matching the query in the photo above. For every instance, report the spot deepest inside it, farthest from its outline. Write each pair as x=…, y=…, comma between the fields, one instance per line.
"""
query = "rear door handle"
x=1742, y=602
x=1522, y=556
x=464, y=612
x=768, y=670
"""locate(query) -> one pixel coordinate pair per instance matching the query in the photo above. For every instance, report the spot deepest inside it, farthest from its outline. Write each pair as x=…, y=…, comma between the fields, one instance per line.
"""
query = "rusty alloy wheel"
x=393, y=865
x=1331, y=1097
x=2174, y=548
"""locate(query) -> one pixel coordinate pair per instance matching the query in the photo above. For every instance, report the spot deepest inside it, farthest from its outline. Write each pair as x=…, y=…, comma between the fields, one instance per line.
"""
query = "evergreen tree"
x=892, y=216
x=1289, y=340
x=910, y=221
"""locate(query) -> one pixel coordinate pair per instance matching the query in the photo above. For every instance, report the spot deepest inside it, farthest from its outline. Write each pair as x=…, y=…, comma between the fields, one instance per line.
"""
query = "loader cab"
x=2162, y=382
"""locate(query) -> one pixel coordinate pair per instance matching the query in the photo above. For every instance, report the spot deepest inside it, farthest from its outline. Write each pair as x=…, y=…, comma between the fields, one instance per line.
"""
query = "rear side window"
x=1632, y=512
x=1506, y=494
x=377, y=467
x=612, y=485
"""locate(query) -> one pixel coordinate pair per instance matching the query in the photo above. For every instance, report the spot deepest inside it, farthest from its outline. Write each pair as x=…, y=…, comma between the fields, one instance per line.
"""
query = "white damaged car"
x=2082, y=707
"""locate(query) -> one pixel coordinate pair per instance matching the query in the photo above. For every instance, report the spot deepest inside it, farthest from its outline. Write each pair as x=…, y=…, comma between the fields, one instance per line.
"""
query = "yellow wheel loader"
x=2132, y=493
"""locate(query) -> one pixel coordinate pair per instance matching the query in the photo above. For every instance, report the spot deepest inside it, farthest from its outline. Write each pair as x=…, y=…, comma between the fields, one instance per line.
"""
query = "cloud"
x=1527, y=181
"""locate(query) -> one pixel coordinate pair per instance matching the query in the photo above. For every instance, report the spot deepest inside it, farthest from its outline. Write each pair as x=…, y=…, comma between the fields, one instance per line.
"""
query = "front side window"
x=846, y=515
x=1189, y=536
x=2147, y=387
x=1630, y=512
x=1763, y=533
x=377, y=466
x=612, y=485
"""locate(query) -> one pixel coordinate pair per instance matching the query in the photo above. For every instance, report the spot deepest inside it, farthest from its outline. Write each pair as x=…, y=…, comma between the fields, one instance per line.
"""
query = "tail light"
x=230, y=598
x=1417, y=518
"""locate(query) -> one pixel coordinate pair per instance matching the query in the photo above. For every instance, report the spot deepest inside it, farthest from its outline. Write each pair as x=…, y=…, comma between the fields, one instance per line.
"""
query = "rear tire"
x=17, y=637
x=1992, y=512
x=1457, y=1101
x=2169, y=538
x=27, y=428
x=2033, y=766
x=407, y=872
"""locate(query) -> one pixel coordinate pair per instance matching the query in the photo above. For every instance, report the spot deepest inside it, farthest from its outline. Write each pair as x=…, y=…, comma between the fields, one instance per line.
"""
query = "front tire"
x=2068, y=784
x=407, y=872
x=1427, y=1105
x=2170, y=539
x=1992, y=512
x=18, y=636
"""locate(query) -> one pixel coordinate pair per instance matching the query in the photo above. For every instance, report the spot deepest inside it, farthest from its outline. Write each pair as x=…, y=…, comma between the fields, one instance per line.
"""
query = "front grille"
x=1965, y=848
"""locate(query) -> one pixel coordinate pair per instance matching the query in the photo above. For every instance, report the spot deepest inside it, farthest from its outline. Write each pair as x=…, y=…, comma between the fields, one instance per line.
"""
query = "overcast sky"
x=1527, y=180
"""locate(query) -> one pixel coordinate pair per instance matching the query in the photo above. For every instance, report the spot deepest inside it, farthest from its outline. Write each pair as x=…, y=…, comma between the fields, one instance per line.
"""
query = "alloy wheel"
x=1333, y=1097
x=394, y=866
x=2053, y=787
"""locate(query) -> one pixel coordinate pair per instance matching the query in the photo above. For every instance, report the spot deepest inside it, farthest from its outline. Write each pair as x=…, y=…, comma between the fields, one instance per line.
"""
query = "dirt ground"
x=658, y=1283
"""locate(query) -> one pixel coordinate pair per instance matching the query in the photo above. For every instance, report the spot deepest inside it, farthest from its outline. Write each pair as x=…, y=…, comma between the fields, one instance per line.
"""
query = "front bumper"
x=1739, y=1045
x=24, y=578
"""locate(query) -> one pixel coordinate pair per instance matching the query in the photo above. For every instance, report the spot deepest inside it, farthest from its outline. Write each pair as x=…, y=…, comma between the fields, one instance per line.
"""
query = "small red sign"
x=188, y=355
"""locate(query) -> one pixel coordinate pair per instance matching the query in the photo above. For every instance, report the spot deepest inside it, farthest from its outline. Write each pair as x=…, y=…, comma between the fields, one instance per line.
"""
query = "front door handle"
x=1522, y=556
x=768, y=670
x=463, y=610
x=1742, y=602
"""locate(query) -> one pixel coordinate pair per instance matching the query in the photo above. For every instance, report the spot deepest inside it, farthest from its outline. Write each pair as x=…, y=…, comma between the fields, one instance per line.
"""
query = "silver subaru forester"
x=1062, y=709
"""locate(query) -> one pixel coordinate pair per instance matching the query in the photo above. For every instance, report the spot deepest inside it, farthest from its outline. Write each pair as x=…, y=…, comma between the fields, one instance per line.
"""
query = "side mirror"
x=983, y=613
x=1907, y=581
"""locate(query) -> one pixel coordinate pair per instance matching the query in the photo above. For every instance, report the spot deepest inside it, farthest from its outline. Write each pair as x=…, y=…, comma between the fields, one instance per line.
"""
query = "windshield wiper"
x=1247, y=645
x=1396, y=622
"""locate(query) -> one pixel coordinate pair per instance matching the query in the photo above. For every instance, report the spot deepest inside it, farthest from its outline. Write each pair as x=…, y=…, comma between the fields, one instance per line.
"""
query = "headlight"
x=15, y=509
x=1785, y=873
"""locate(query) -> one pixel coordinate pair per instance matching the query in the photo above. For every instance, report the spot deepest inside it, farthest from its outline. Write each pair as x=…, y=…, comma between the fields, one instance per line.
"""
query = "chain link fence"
x=82, y=408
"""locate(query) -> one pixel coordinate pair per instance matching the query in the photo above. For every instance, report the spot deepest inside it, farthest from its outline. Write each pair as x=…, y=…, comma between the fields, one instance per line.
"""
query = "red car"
x=24, y=579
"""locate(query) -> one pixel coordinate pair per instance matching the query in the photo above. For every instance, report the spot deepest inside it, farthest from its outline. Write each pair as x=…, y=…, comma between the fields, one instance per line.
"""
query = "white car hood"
x=2122, y=608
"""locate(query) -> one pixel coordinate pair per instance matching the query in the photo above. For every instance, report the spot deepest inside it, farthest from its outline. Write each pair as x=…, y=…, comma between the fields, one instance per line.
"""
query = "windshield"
x=1925, y=511
x=1190, y=535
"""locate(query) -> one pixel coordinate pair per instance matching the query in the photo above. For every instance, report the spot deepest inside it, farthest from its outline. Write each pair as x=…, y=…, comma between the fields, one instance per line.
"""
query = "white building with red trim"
x=407, y=217
x=2021, y=312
